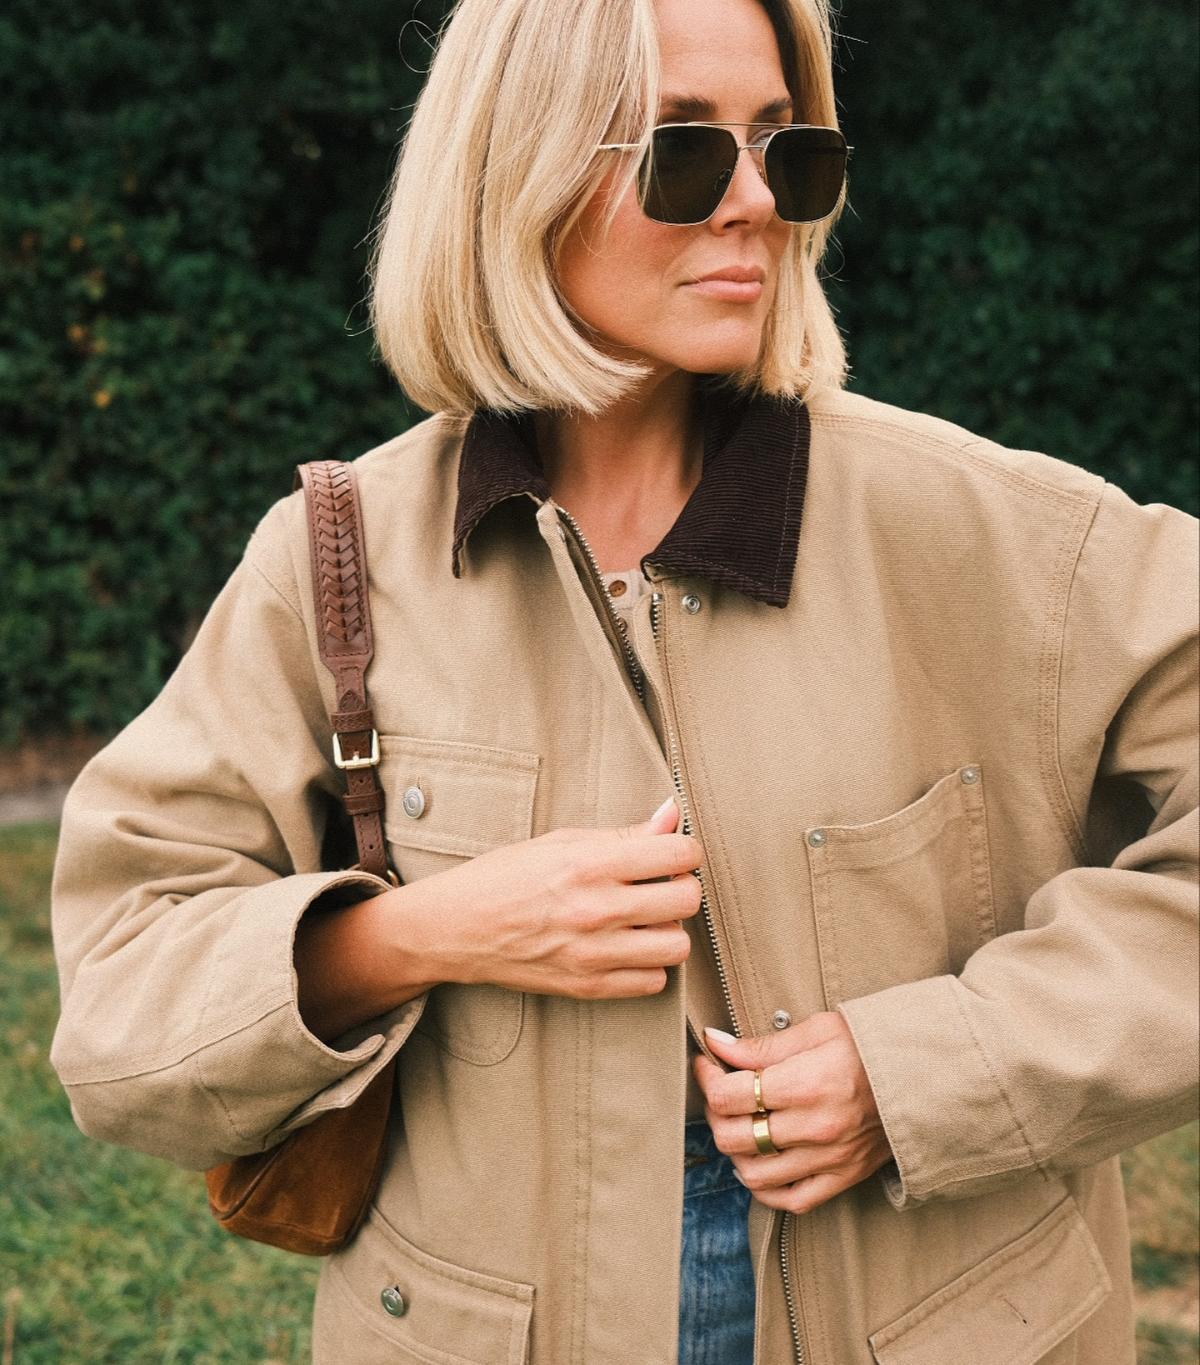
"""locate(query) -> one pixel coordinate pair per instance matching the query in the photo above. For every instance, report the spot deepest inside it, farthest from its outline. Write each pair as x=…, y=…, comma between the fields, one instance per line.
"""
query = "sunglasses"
x=688, y=166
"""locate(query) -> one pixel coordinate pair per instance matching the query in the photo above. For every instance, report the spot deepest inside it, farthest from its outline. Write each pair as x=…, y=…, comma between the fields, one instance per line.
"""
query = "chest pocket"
x=906, y=897
x=446, y=802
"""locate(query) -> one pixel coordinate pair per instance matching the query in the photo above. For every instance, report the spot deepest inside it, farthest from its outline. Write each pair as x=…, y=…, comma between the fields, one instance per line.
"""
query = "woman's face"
x=690, y=298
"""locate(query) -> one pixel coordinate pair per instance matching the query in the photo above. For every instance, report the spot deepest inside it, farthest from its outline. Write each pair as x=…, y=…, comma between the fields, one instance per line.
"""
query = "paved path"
x=43, y=802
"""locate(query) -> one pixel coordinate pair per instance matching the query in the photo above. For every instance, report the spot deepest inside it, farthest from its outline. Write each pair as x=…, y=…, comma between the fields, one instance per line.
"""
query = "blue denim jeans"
x=716, y=1281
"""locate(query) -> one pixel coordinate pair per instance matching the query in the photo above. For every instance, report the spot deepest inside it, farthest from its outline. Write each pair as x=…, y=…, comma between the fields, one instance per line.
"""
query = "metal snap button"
x=816, y=837
x=781, y=1019
x=969, y=775
x=393, y=1302
x=413, y=802
x=690, y=603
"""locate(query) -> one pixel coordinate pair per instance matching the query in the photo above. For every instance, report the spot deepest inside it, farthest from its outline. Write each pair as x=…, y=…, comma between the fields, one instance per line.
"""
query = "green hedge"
x=187, y=184
x=1021, y=252
x=186, y=189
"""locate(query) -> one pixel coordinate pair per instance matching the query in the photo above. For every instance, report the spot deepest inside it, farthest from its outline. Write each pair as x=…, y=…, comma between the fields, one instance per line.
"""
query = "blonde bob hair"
x=500, y=158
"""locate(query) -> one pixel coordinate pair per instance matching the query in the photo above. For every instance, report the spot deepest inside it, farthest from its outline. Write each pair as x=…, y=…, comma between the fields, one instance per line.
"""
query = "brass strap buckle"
x=356, y=761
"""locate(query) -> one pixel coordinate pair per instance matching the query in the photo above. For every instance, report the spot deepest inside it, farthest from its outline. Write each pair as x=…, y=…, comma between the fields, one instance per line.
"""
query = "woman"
x=927, y=707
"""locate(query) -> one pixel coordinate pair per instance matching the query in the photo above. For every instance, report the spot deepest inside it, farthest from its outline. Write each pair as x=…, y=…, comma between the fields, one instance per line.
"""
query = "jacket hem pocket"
x=1013, y=1307
x=474, y=1318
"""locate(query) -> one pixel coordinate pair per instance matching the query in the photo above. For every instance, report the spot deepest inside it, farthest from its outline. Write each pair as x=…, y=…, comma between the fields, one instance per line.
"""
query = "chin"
x=727, y=352
x=721, y=360
x=724, y=366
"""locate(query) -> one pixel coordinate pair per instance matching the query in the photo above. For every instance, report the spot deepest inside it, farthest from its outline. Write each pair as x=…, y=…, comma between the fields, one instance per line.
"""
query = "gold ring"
x=762, y=1135
x=759, y=1106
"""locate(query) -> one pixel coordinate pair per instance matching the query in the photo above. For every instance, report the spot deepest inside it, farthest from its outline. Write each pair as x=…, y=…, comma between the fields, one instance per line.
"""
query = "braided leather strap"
x=346, y=646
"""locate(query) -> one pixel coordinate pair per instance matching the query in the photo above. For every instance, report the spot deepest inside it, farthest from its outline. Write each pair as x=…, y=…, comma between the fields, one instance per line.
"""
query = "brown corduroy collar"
x=739, y=528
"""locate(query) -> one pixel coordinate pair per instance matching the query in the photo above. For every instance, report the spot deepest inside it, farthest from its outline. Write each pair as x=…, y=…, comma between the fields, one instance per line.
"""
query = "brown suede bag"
x=311, y=1192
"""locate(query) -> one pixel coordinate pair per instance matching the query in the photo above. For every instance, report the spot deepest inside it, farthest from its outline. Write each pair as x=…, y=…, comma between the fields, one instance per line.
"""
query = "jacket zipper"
x=686, y=820
x=619, y=629
x=638, y=679
x=789, y=1292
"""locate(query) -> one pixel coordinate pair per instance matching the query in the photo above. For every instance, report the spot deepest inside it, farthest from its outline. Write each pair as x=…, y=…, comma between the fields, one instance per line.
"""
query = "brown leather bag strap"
x=343, y=609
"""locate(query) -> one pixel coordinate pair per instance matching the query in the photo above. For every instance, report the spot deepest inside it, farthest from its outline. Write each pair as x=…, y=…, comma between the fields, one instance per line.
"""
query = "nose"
x=748, y=201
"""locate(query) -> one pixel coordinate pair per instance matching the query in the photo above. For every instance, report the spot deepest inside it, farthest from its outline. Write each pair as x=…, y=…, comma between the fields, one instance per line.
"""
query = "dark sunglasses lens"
x=685, y=174
x=805, y=169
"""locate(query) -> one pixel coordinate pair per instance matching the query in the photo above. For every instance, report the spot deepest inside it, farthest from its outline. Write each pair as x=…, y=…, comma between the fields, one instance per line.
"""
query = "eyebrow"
x=691, y=107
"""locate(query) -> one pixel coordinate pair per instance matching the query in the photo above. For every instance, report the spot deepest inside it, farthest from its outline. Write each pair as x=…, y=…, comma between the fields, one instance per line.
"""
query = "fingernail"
x=737, y=1175
x=720, y=1035
x=662, y=810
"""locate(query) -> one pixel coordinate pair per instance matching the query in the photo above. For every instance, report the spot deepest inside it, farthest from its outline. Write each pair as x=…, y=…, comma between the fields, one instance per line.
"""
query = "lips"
x=736, y=274
x=731, y=284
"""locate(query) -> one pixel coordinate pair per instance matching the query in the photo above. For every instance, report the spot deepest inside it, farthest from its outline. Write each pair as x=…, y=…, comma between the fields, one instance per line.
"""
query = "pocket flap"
x=1011, y=1308
x=439, y=1313
x=471, y=797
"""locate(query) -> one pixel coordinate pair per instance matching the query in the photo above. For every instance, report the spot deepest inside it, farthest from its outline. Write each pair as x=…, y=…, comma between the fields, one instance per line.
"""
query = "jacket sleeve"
x=190, y=848
x=1075, y=1037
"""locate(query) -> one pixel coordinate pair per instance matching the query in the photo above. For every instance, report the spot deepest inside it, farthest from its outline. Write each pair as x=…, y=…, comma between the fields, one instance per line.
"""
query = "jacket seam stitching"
x=217, y=1100
x=1045, y=1166
x=963, y=454
x=253, y=563
x=1143, y=1112
x=814, y=1272
x=183, y=1057
x=1061, y=796
x=518, y=770
x=981, y=861
x=1000, y=1089
x=828, y=957
x=583, y=1176
x=527, y=767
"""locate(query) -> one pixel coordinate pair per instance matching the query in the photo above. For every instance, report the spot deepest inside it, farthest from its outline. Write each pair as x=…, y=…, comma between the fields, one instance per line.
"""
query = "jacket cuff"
x=952, y=1130
x=314, y=1075
x=383, y=1039
x=249, y=1071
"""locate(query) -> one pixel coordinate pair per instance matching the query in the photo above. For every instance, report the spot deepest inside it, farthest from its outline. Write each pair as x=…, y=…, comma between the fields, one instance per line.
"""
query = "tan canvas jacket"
x=950, y=789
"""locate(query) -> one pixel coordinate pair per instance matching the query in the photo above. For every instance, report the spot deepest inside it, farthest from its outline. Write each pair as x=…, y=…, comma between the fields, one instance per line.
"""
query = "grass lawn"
x=110, y=1258
x=114, y=1254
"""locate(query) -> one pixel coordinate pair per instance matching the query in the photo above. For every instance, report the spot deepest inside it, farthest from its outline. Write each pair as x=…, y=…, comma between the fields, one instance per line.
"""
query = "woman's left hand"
x=823, y=1116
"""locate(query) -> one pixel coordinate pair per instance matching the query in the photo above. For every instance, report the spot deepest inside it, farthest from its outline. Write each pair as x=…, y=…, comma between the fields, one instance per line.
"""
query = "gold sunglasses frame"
x=756, y=146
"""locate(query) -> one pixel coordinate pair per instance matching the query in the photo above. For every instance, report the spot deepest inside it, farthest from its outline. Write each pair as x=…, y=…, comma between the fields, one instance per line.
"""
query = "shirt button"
x=816, y=837
x=690, y=603
x=413, y=802
x=617, y=588
x=393, y=1302
x=969, y=775
x=781, y=1019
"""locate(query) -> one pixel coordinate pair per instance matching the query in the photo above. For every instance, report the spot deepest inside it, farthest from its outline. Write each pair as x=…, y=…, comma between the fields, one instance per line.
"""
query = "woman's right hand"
x=593, y=914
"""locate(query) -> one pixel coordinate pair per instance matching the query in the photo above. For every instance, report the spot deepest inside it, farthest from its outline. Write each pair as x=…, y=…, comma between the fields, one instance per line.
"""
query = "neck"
x=625, y=475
